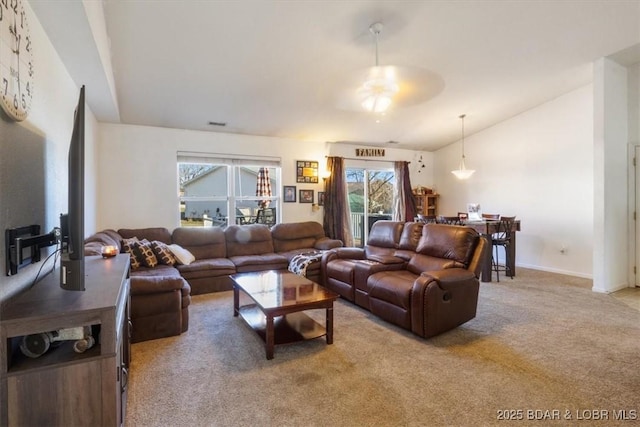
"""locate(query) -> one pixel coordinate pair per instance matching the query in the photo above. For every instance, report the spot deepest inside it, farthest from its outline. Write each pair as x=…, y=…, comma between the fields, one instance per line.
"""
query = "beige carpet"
x=539, y=342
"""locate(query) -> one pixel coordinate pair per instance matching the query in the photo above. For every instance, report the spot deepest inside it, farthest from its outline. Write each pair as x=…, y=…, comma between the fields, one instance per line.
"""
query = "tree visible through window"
x=370, y=199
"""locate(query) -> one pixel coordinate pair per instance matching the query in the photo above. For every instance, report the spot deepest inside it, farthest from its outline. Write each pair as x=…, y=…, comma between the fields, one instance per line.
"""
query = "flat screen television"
x=72, y=223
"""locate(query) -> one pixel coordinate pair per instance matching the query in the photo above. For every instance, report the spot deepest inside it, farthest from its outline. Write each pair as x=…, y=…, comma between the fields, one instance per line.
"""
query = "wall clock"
x=16, y=60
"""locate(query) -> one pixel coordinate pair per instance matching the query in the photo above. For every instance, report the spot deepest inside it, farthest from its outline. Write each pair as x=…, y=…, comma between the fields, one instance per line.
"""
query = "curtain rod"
x=366, y=160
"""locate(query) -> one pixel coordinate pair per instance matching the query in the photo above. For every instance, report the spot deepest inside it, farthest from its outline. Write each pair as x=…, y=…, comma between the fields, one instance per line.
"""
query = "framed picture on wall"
x=306, y=196
x=289, y=193
x=307, y=171
x=320, y=198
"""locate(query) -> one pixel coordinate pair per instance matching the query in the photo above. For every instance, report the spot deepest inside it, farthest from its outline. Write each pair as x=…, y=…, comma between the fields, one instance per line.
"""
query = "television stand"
x=62, y=387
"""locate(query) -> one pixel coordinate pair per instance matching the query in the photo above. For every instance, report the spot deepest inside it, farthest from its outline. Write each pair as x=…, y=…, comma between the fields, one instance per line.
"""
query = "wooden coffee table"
x=279, y=297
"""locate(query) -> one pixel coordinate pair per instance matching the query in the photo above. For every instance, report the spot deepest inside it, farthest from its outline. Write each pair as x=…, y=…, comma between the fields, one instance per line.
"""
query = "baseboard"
x=610, y=291
x=556, y=270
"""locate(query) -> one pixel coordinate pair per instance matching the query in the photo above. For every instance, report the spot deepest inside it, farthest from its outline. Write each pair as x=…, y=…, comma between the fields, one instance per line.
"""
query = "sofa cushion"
x=385, y=234
x=157, y=271
x=182, y=255
x=154, y=233
x=392, y=286
x=163, y=253
x=254, y=239
x=207, y=268
x=128, y=247
x=202, y=242
x=411, y=234
x=144, y=253
x=451, y=242
x=298, y=235
x=246, y=263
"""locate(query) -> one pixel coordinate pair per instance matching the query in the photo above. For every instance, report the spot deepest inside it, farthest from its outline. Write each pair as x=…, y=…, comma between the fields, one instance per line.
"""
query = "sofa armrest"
x=449, y=277
x=349, y=253
x=442, y=300
x=482, y=250
x=153, y=285
x=326, y=243
x=338, y=253
x=386, y=259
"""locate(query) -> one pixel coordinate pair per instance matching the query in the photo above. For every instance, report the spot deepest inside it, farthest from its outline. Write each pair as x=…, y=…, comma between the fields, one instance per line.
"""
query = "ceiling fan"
x=381, y=88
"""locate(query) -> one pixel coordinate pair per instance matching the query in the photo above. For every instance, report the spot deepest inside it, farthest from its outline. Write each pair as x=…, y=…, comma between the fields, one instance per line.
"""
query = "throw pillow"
x=163, y=253
x=144, y=253
x=182, y=255
x=127, y=247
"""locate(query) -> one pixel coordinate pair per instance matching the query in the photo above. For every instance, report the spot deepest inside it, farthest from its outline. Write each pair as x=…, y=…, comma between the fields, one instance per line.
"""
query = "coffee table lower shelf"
x=293, y=327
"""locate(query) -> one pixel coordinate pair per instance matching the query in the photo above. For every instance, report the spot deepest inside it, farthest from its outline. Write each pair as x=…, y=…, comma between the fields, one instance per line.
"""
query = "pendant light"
x=462, y=172
x=377, y=92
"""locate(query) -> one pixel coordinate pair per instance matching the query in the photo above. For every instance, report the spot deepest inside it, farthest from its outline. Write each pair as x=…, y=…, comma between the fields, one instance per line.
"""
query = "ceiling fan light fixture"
x=462, y=172
x=378, y=94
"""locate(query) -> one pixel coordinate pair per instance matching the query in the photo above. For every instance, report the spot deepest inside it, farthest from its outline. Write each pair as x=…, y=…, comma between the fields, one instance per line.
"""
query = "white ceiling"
x=283, y=68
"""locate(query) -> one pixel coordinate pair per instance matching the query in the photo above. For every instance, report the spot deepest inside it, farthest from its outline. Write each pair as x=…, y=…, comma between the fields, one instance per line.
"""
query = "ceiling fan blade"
x=416, y=85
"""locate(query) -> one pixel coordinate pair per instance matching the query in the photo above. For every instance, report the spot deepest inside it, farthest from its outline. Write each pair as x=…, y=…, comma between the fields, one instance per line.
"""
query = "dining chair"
x=450, y=220
x=503, y=238
x=266, y=216
x=427, y=219
x=241, y=219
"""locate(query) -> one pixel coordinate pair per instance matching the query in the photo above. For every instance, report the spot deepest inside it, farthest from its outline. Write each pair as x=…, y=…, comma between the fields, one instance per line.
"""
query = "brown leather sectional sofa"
x=423, y=278
x=160, y=296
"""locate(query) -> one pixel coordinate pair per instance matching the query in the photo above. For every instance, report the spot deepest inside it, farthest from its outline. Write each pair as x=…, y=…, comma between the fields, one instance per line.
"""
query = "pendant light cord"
x=462, y=117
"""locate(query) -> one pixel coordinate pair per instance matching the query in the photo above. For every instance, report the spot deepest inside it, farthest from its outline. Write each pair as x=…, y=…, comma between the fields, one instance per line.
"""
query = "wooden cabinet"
x=62, y=387
x=427, y=204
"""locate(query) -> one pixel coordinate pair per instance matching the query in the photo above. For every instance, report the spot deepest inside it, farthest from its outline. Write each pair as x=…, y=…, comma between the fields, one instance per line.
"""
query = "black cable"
x=58, y=250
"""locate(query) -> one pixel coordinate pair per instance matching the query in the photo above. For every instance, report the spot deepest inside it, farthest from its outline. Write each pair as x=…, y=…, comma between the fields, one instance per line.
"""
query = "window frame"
x=231, y=164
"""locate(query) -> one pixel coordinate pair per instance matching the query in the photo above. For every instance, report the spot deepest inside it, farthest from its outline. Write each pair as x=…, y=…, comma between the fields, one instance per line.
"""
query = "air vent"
x=217, y=123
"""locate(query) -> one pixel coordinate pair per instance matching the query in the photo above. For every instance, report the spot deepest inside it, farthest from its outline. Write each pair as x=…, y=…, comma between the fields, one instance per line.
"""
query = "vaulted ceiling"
x=291, y=68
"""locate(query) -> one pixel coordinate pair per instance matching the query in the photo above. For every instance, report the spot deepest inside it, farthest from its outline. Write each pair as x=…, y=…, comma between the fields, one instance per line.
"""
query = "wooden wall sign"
x=369, y=152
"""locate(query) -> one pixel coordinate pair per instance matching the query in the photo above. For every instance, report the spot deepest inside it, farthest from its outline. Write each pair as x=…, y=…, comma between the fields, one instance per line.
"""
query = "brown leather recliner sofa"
x=160, y=295
x=423, y=278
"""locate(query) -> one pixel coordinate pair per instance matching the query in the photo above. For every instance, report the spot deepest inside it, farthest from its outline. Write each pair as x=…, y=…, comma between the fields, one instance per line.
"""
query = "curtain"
x=336, y=203
x=263, y=187
x=404, y=206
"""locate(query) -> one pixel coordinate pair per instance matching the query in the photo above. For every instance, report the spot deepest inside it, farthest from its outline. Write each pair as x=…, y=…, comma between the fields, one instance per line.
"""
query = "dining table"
x=488, y=228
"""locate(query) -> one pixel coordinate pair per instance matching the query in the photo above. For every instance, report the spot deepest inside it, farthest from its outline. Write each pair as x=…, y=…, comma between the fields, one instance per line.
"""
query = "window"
x=370, y=199
x=221, y=191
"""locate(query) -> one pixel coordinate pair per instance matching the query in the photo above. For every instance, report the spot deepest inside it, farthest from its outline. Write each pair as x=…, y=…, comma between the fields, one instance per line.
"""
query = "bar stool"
x=502, y=237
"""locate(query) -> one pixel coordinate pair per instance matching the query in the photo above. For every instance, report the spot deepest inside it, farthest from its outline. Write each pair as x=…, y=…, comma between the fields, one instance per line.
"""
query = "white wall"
x=633, y=102
x=54, y=101
x=538, y=166
x=418, y=174
x=137, y=171
x=611, y=232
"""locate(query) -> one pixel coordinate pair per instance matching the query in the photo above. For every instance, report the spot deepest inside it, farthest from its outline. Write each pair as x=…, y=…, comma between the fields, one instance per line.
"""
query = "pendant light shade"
x=462, y=172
